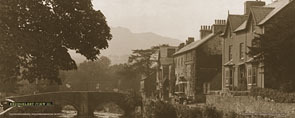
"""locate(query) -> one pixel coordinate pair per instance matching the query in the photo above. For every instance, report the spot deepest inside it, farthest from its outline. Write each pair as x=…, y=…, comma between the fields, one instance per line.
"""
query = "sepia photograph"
x=147, y=59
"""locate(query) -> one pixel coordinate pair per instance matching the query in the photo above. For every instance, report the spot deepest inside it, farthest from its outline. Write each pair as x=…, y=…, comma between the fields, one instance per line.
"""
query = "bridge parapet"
x=85, y=102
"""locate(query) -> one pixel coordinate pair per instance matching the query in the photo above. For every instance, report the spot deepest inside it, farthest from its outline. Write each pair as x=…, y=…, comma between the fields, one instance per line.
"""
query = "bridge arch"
x=84, y=102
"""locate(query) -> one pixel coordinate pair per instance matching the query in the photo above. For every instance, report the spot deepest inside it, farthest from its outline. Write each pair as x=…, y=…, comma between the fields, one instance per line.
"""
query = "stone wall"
x=248, y=104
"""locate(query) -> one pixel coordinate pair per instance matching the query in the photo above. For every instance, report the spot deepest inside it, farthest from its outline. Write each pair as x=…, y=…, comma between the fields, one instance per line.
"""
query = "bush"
x=164, y=110
x=159, y=109
x=198, y=112
x=212, y=112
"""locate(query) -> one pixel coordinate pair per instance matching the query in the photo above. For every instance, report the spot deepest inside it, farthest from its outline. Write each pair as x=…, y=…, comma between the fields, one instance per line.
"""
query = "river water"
x=72, y=114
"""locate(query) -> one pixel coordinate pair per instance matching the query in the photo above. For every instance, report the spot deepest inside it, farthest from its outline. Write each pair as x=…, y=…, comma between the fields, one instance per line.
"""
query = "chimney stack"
x=249, y=4
x=205, y=31
x=190, y=40
x=181, y=46
x=219, y=26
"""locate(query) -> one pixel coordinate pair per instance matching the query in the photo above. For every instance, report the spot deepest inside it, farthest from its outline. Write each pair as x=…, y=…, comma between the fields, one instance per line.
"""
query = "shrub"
x=164, y=110
x=159, y=109
x=212, y=112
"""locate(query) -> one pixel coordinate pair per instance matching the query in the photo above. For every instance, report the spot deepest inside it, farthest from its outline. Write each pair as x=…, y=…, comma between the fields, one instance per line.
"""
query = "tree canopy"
x=37, y=34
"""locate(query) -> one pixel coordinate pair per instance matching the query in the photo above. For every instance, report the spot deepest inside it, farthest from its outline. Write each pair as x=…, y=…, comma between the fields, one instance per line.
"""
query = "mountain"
x=124, y=41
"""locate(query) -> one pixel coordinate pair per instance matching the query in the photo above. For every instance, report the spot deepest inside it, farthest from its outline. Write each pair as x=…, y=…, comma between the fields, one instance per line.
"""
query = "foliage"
x=186, y=112
x=198, y=112
x=275, y=95
x=100, y=75
x=26, y=87
x=134, y=98
x=276, y=49
x=140, y=60
x=212, y=112
x=128, y=78
x=164, y=110
x=36, y=36
x=90, y=75
x=8, y=86
x=160, y=109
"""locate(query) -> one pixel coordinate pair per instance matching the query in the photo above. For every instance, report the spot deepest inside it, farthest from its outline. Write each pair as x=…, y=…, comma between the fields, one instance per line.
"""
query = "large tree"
x=90, y=75
x=37, y=34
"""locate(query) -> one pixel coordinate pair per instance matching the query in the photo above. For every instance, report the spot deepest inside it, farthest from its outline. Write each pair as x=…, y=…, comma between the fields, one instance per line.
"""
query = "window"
x=178, y=60
x=230, y=55
x=249, y=75
x=242, y=50
x=181, y=62
x=254, y=75
x=229, y=76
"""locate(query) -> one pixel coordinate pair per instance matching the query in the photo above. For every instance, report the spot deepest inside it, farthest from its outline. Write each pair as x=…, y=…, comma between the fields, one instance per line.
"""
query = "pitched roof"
x=278, y=6
x=264, y=13
x=242, y=27
x=195, y=44
x=236, y=20
x=259, y=13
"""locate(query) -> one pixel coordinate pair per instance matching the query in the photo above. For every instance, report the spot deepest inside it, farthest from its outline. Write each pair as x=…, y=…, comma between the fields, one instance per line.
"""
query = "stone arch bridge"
x=85, y=102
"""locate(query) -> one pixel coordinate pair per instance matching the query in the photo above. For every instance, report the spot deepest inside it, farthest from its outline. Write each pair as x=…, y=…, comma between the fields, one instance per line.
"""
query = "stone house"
x=198, y=63
x=165, y=70
x=241, y=71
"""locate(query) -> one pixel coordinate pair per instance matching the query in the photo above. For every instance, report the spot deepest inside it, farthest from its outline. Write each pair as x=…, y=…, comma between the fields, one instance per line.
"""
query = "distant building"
x=165, y=71
x=198, y=63
x=241, y=71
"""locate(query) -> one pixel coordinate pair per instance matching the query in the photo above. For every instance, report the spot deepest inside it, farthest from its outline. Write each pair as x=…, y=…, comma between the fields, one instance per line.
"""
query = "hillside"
x=124, y=41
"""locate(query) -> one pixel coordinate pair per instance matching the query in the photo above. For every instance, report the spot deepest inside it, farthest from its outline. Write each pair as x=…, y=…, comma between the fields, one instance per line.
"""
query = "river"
x=72, y=114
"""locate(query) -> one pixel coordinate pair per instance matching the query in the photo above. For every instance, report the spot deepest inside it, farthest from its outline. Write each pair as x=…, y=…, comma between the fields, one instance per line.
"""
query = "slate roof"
x=195, y=44
x=263, y=13
x=259, y=13
x=242, y=27
x=236, y=20
x=279, y=5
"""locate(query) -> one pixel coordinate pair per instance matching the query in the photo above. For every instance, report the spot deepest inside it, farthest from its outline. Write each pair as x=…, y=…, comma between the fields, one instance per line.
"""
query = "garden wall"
x=249, y=105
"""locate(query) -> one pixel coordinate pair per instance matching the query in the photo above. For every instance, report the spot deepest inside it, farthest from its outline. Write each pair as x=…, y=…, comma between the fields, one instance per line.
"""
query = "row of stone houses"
x=219, y=60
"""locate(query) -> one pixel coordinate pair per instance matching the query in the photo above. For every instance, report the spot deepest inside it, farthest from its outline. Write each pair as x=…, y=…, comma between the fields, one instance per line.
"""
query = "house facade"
x=164, y=75
x=240, y=71
x=198, y=63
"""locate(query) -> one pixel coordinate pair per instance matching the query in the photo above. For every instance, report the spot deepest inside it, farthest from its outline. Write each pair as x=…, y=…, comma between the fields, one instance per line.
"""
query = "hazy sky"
x=172, y=18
